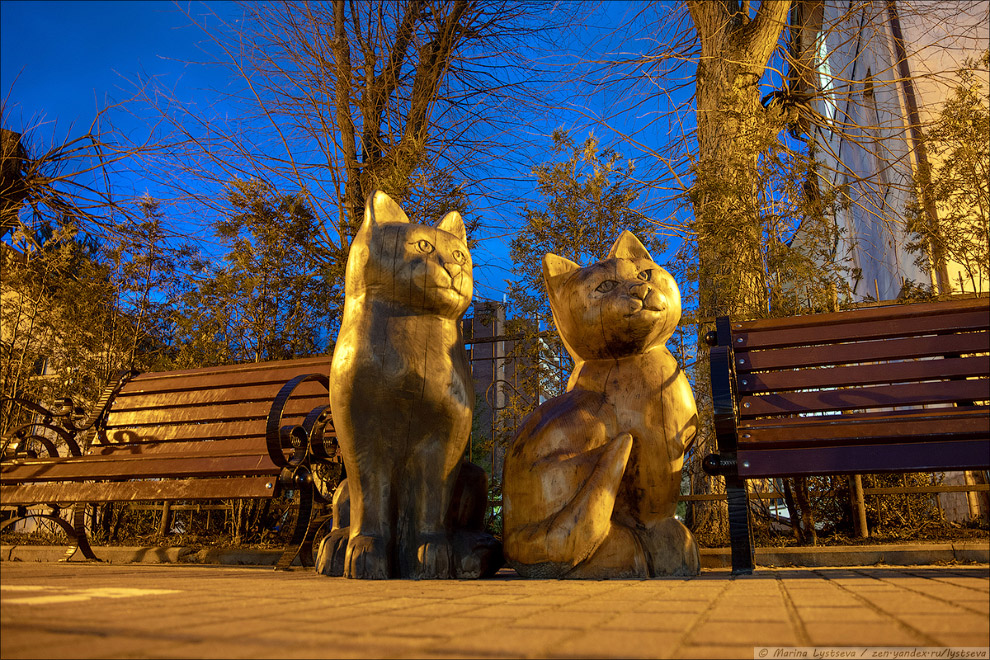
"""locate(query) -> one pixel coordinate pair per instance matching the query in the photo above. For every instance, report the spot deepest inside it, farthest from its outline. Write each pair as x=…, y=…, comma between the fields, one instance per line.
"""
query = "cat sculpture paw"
x=366, y=559
x=332, y=552
x=434, y=557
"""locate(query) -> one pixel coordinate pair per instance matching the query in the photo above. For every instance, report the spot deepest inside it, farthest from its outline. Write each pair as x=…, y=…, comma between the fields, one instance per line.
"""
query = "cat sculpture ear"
x=554, y=267
x=453, y=223
x=627, y=246
x=381, y=208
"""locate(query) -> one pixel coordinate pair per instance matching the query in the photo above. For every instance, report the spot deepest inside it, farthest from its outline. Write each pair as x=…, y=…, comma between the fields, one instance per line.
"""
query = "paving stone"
x=907, y=603
x=710, y=651
x=444, y=627
x=814, y=613
x=511, y=640
x=673, y=604
x=964, y=639
x=740, y=612
x=944, y=622
x=736, y=633
x=619, y=644
x=568, y=620
x=651, y=621
x=849, y=633
x=593, y=605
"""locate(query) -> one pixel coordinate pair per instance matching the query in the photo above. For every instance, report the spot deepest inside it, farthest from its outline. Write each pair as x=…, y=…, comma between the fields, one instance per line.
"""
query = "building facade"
x=881, y=72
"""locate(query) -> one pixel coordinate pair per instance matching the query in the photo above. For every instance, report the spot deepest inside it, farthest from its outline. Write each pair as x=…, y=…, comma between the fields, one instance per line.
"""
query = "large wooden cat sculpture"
x=591, y=478
x=401, y=395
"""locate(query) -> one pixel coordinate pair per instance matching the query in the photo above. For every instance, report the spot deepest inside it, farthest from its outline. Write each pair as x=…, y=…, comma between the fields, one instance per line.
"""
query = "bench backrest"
x=228, y=407
x=885, y=379
x=902, y=355
x=220, y=403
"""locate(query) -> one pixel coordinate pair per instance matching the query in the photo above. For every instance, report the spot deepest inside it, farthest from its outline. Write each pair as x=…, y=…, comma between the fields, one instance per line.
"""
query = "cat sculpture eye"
x=606, y=286
x=459, y=256
x=425, y=246
x=646, y=275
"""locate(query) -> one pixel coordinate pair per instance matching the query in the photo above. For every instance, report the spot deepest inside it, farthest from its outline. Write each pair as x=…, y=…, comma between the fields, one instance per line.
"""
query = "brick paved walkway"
x=166, y=611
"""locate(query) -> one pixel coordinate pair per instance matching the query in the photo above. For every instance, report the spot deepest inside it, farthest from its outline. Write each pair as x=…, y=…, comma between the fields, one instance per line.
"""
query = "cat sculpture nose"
x=639, y=290
x=453, y=269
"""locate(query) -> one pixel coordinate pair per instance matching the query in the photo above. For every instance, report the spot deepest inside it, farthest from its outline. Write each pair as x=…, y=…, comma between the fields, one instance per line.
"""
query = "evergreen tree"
x=588, y=198
x=268, y=298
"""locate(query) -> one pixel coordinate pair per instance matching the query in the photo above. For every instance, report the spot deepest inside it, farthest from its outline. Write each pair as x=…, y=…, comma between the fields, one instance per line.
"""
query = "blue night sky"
x=61, y=61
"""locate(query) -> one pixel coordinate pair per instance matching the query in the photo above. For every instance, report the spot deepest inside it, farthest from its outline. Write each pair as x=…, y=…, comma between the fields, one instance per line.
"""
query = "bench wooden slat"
x=207, y=413
x=241, y=374
x=886, y=372
x=139, y=491
x=141, y=467
x=227, y=447
x=881, y=349
x=899, y=327
x=196, y=431
x=206, y=395
x=878, y=313
x=166, y=433
x=923, y=426
x=807, y=461
x=864, y=398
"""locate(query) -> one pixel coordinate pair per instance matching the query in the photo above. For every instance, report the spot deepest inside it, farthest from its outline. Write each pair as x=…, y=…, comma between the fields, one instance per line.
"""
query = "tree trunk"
x=734, y=54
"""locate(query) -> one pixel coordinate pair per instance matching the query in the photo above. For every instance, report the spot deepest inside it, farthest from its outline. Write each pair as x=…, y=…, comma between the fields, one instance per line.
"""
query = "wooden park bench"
x=245, y=431
x=900, y=388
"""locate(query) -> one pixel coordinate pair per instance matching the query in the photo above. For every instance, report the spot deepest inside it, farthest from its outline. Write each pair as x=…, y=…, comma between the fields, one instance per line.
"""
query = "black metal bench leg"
x=306, y=555
x=296, y=546
x=740, y=534
x=76, y=532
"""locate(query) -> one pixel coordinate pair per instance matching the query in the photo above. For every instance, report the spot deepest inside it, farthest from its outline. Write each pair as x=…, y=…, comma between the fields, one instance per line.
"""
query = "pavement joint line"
x=701, y=618
x=802, y=632
x=929, y=640
x=927, y=594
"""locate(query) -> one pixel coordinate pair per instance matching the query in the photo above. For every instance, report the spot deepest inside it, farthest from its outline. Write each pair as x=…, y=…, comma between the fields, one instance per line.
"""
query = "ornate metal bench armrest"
x=58, y=421
x=62, y=421
x=103, y=404
x=296, y=437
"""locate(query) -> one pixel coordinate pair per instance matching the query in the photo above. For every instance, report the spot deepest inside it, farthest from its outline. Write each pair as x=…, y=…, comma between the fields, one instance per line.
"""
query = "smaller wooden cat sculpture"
x=402, y=396
x=591, y=479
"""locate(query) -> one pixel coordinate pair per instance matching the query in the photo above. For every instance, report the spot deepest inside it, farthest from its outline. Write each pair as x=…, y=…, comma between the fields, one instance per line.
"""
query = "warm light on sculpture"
x=592, y=477
x=402, y=396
